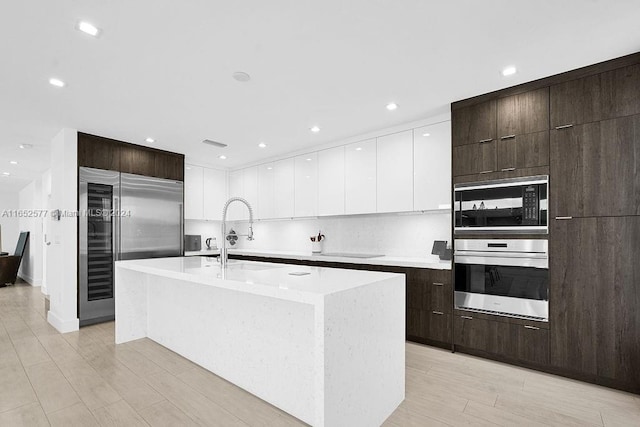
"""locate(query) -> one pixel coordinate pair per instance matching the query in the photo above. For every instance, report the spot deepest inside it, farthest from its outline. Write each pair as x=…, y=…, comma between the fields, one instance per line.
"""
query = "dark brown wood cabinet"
x=104, y=153
x=474, y=124
x=594, y=169
x=595, y=295
x=479, y=158
x=596, y=97
x=523, y=113
x=523, y=151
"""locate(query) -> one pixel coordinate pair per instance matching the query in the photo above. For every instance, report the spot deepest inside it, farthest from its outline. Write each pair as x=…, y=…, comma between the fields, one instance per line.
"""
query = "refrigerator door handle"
x=116, y=218
x=180, y=206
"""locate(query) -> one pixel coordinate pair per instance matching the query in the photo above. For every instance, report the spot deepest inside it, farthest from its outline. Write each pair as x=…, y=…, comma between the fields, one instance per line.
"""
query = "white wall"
x=30, y=201
x=9, y=226
x=205, y=229
x=61, y=255
x=402, y=235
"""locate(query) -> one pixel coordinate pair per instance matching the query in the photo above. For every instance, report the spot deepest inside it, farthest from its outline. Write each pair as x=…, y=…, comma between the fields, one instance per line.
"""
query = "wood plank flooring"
x=84, y=379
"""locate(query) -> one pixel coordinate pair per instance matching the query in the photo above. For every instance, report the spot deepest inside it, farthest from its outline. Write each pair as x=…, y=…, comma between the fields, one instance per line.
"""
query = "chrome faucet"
x=223, y=248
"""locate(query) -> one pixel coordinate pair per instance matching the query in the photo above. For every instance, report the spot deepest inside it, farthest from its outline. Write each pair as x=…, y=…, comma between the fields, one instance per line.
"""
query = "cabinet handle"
x=467, y=317
x=508, y=137
x=508, y=169
x=483, y=172
x=562, y=218
x=531, y=327
x=564, y=126
x=438, y=284
x=482, y=141
x=439, y=313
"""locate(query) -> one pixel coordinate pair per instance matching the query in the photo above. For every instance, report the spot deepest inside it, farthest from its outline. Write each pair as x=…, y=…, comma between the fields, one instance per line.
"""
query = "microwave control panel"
x=530, y=205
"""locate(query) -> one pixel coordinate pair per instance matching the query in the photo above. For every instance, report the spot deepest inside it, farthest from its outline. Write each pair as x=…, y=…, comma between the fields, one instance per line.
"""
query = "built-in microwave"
x=516, y=205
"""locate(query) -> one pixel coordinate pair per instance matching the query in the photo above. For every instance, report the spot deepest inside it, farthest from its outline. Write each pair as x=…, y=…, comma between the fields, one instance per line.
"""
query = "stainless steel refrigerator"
x=122, y=217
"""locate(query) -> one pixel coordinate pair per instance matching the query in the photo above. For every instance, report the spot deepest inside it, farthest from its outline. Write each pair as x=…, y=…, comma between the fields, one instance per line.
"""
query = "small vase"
x=316, y=247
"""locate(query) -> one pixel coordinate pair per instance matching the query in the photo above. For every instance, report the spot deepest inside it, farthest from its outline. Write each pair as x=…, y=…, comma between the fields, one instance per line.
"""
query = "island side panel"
x=262, y=344
x=364, y=353
x=130, y=304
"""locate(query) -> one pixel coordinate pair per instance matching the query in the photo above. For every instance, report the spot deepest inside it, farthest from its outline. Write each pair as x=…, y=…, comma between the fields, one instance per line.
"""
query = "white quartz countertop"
x=259, y=278
x=381, y=260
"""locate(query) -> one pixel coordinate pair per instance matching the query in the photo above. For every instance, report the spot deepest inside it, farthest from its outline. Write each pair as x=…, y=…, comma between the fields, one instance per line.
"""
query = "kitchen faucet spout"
x=223, y=248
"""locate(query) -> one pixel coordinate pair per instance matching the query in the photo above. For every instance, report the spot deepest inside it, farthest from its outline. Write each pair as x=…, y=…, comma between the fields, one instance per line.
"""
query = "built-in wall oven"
x=505, y=277
x=516, y=205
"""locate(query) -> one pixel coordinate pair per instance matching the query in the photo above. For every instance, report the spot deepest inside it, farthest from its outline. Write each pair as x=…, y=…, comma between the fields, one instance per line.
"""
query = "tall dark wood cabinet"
x=582, y=128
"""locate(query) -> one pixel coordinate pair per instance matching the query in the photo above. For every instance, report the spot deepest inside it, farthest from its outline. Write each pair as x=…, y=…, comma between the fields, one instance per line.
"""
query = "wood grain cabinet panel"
x=474, y=123
x=532, y=343
x=523, y=113
x=477, y=158
x=604, y=96
x=441, y=297
x=472, y=332
x=523, y=151
x=594, y=169
x=438, y=326
x=137, y=161
x=594, y=316
x=169, y=166
x=97, y=152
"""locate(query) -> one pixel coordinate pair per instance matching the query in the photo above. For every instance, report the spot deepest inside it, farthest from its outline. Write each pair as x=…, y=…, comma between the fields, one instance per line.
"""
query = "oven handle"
x=490, y=258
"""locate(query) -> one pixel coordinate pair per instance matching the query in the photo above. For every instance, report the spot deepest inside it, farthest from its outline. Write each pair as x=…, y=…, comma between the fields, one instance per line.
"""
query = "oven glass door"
x=501, y=207
x=507, y=281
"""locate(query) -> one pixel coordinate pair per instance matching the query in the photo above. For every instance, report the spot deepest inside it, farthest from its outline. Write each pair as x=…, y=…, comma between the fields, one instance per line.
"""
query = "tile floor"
x=83, y=379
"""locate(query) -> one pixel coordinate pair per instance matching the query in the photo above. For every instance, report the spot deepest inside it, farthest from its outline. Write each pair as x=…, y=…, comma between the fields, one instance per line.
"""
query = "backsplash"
x=405, y=235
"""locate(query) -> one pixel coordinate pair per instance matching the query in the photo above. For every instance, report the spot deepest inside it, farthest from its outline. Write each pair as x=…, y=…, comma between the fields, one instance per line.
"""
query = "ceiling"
x=162, y=68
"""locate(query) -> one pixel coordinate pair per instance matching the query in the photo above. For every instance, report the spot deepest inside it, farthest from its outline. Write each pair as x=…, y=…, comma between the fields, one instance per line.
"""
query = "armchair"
x=9, y=265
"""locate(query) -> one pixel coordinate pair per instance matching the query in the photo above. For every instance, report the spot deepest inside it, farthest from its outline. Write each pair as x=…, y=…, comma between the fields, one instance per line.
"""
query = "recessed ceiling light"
x=222, y=157
x=150, y=140
x=269, y=168
x=241, y=76
x=426, y=134
x=358, y=148
x=315, y=129
x=56, y=82
x=308, y=160
x=6, y=173
x=13, y=162
x=509, y=71
x=26, y=146
x=392, y=106
x=188, y=168
x=262, y=145
x=88, y=28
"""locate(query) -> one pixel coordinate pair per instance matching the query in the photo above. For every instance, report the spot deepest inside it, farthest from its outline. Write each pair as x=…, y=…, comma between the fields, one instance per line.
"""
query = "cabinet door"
x=523, y=151
x=473, y=124
x=474, y=159
x=169, y=166
x=97, y=152
x=594, y=316
x=266, y=196
x=360, y=177
x=432, y=167
x=193, y=192
x=471, y=332
x=331, y=181
x=250, y=190
x=306, y=185
x=594, y=169
x=215, y=193
x=523, y=113
x=532, y=343
x=394, y=172
x=283, y=179
x=441, y=296
x=599, y=97
x=236, y=189
x=137, y=160
x=438, y=326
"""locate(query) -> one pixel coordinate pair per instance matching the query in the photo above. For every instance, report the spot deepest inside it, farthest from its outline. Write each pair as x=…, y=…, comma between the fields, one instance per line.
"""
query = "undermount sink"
x=345, y=255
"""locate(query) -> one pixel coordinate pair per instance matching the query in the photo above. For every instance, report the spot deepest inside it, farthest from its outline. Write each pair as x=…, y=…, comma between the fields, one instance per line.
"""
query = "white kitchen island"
x=326, y=347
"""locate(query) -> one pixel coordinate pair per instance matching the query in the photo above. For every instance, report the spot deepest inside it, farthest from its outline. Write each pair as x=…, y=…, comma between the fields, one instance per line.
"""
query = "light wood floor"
x=83, y=379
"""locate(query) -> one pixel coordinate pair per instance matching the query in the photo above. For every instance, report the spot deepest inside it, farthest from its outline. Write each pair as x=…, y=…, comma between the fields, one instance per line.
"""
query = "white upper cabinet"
x=395, y=172
x=360, y=177
x=432, y=167
x=193, y=191
x=284, y=189
x=250, y=190
x=306, y=185
x=214, y=193
x=331, y=181
x=236, y=189
x=265, y=192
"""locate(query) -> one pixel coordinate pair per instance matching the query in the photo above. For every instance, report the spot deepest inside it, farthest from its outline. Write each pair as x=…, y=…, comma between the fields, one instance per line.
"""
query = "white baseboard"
x=63, y=326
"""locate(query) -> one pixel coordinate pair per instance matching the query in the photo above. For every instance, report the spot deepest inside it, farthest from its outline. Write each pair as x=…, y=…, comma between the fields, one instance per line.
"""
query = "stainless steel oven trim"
x=503, y=306
x=540, y=179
